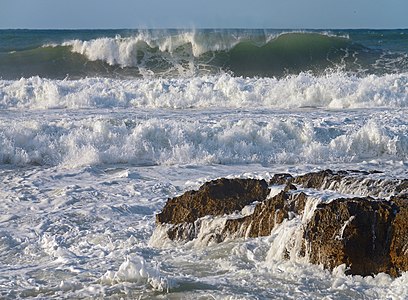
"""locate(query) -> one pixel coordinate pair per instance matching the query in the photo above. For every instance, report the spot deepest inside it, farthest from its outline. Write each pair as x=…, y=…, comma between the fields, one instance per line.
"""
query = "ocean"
x=98, y=128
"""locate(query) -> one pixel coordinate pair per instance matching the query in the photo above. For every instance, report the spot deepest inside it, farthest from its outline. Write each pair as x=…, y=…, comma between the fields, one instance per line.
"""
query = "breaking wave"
x=168, y=139
x=335, y=91
x=187, y=53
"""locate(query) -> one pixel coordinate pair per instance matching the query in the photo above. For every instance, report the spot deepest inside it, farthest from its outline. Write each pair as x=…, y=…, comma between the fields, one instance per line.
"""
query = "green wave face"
x=54, y=62
x=290, y=53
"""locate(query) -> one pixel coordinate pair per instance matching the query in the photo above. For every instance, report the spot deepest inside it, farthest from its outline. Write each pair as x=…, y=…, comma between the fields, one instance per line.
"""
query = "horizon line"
x=210, y=28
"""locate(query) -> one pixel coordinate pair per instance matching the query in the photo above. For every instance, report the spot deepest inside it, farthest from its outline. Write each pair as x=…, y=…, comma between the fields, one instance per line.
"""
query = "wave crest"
x=244, y=55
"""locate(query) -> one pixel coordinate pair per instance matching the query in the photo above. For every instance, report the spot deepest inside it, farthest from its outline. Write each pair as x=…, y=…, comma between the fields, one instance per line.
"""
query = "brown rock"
x=281, y=178
x=356, y=232
x=319, y=180
x=367, y=235
x=266, y=215
x=352, y=182
x=399, y=242
x=216, y=198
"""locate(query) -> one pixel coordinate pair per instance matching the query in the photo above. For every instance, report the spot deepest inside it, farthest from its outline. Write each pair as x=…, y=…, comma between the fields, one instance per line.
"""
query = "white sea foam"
x=336, y=91
x=134, y=269
x=167, y=138
x=87, y=230
x=86, y=164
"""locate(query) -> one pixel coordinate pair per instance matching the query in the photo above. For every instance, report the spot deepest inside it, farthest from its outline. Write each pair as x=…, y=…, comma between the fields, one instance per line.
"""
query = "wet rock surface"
x=266, y=216
x=367, y=230
x=216, y=198
x=349, y=182
x=356, y=232
x=399, y=238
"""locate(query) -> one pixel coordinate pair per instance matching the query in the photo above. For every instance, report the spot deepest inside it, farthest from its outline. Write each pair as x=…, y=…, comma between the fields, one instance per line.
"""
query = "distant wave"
x=335, y=90
x=188, y=53
x=243, y=55
x=120, y=50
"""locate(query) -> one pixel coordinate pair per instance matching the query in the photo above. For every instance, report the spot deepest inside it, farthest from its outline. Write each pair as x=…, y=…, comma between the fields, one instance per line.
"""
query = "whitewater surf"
x=98, y=128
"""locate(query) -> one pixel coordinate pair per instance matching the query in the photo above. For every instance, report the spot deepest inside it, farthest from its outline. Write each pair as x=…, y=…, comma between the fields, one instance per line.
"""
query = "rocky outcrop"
x=369, y=235
x=215, y=198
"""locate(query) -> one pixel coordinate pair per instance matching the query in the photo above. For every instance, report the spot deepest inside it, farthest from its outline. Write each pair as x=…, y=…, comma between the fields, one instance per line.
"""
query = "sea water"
x=99, y=128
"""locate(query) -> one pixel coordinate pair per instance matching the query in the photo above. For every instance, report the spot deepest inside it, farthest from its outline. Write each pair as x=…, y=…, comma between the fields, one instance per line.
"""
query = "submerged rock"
x=369, y=235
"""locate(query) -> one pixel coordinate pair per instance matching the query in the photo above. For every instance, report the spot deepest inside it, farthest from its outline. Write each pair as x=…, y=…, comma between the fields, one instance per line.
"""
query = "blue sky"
x=75, y=14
